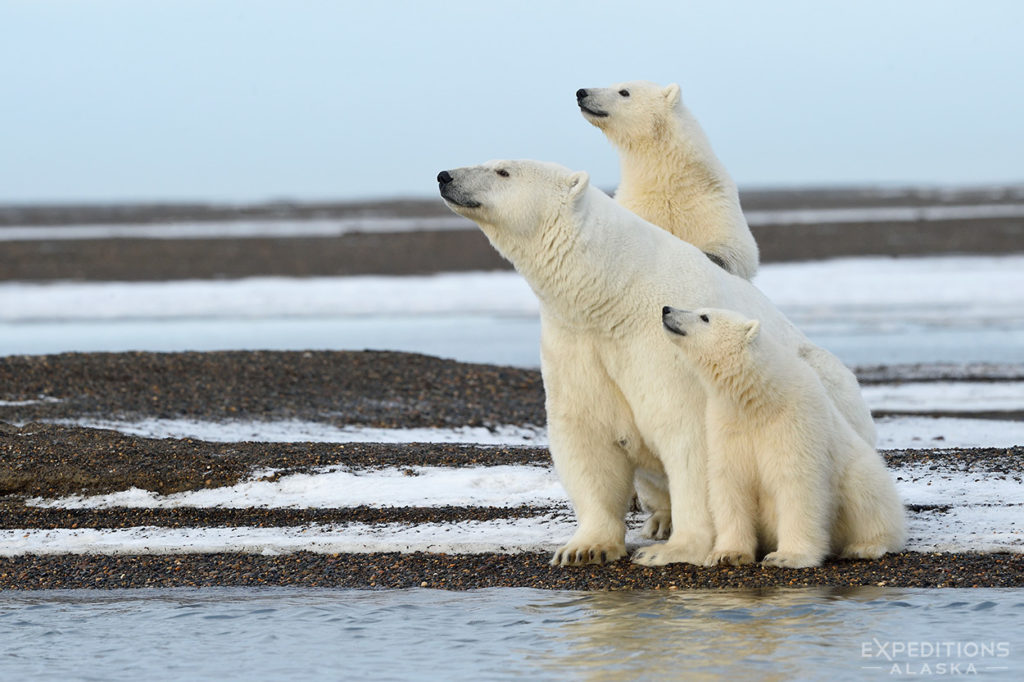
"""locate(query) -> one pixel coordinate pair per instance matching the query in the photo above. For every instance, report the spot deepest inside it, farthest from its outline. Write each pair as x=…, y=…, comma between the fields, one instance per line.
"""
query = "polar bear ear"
x=750, y=331
x=578, y=182
x=671, y=93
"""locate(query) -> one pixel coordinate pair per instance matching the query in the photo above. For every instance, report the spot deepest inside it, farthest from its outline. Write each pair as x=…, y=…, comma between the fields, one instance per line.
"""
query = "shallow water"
x=272, y=634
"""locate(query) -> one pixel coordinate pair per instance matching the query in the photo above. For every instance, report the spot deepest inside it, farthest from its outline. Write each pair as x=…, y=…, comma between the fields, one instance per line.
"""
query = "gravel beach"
x=46, y=452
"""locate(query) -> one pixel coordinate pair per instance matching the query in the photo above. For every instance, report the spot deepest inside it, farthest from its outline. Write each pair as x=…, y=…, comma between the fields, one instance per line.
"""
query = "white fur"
x=670, y=175
x=619, y=398
x=783, y=464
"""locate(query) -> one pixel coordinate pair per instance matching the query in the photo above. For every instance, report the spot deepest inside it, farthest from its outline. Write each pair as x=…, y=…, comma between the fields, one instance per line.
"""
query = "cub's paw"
x=729, y=557
x=863, y=550
x=578, y=554
x=791, y=560
x=668, y=553
x=658, y=526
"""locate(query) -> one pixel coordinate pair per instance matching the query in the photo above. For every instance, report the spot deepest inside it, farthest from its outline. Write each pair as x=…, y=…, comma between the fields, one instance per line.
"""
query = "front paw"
x=729, y=557
x=792, y=560
x=658, y=526
x=579, y=554
x=668, y=553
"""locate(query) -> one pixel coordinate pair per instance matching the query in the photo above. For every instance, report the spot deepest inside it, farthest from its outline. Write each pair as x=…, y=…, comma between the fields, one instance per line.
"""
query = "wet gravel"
x=465, y=572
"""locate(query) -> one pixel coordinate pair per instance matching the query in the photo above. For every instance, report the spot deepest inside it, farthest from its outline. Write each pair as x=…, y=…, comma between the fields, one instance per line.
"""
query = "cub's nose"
x=580, y=94
x=666, y=311
x=444, y=177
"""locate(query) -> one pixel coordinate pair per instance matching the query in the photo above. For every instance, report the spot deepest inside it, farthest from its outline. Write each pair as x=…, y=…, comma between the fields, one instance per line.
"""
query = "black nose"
x=667, y=310
x=581, y=93
x=444, y=177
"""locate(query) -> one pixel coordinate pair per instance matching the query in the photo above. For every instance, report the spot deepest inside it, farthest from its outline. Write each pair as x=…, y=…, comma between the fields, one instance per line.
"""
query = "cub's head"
x=513, y=197
x=630, y=113
x=709, y=334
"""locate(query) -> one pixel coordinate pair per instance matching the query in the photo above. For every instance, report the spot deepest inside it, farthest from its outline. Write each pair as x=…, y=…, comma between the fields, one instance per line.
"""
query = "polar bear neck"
x=588, y=270
x=741, y=378
x=673, y=179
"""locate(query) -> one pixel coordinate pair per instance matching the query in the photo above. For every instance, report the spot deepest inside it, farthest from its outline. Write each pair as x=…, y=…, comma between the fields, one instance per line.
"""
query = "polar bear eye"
x=502, y=172
x=624, y=93
x=704, y=318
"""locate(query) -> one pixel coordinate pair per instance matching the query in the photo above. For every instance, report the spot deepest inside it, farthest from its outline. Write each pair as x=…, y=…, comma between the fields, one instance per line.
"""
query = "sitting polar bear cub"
x=782, y=462
x=670, y=175
x=618, y=397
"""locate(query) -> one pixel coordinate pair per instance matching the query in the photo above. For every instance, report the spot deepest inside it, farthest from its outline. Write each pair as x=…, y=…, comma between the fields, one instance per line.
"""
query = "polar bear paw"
x=791, y=560
x=863, y=550
x=580, y=554
x=658, y=526
x=729, y=557
x=668, y=553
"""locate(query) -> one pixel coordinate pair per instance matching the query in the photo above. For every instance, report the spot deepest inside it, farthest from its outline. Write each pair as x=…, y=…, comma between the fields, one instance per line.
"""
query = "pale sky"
x=251, y=100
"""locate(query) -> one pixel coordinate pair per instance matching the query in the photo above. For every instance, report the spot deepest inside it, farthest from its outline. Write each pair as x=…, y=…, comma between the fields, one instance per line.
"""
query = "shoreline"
x=471, y=572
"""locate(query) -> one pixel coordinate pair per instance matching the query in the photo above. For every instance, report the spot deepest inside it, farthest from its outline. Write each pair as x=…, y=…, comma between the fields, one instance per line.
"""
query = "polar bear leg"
x=797, y=476
x=732, y=498
x=871, y=517
x=683, y=452
x=652, y=490
x=587, y=421
x=599, y=479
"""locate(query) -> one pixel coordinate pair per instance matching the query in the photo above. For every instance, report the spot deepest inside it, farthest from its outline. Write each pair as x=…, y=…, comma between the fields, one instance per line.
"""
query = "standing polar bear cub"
x=783, y=464
x=670, y=175
x=618, y=397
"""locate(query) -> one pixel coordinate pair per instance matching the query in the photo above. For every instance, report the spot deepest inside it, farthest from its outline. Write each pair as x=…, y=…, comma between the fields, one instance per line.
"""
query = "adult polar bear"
x=618, y=394
x=670, y=175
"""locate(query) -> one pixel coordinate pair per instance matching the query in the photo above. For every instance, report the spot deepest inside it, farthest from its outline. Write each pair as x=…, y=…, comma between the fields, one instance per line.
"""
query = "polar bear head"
x=710, y=336
x=512, y=201
x=631, y=113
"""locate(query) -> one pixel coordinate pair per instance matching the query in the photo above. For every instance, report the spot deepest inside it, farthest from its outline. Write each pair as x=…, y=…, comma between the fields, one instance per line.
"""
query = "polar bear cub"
x=783, y=464
x=670, y=175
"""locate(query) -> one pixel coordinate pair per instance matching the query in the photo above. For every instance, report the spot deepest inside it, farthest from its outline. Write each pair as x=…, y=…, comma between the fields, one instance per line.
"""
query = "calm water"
x=276, y=634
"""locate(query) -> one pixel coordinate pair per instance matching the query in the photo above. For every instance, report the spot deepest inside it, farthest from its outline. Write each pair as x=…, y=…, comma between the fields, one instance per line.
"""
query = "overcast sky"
x=241, y=100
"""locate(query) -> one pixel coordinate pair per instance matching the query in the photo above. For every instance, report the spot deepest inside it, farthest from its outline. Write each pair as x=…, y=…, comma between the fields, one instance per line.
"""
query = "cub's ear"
x=578, y=182
x=750, y=330
x=671, y=93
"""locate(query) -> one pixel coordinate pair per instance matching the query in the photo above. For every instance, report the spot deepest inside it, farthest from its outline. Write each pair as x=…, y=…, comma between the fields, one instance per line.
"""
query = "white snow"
x=952, y=290
x=893, y=432
x=499, y=293
x=294, y=430
x=986, y=514
x=492, y=486
x=543, y=533
x=946, y=396
x=888, y=214
x=947, y=432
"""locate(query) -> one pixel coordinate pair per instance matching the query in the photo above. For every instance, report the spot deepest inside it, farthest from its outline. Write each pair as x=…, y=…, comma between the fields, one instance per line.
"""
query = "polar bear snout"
x=583, y=99
x=453, y=192
x=671, y=320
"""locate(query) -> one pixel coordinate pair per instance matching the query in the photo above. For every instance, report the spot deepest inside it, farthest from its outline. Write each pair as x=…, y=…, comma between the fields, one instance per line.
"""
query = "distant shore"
x=425, y=251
